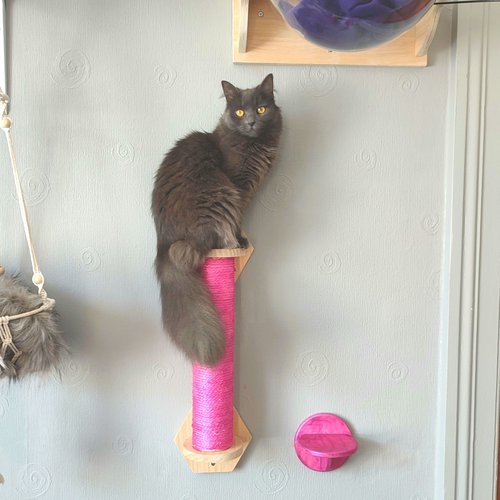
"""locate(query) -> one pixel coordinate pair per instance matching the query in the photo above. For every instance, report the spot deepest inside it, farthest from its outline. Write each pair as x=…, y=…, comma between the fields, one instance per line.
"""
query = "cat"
x=201, y=190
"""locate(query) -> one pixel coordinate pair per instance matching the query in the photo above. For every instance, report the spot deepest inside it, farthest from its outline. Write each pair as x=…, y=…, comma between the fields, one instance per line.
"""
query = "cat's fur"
x=38, y=336
x=201, y=190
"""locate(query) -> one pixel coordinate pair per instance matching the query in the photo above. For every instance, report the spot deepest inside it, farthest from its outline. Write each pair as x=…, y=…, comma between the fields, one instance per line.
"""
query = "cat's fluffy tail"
x=189, y=315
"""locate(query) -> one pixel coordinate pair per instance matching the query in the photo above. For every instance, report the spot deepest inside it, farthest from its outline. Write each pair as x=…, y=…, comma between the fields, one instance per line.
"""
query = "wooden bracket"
x=242, y=256
x=261, y=36
x=425, y=31
x=243, y=25
x=213, y=461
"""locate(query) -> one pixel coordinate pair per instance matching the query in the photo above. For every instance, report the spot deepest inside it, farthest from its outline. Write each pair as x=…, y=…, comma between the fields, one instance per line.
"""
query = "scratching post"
x=213, y=437
x=213, y=387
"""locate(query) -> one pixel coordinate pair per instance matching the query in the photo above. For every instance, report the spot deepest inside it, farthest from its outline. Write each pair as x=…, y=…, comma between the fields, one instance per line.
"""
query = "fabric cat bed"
x=30, y=338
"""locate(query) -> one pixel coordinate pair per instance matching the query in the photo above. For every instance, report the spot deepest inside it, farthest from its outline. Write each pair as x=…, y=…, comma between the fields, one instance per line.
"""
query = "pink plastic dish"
x=323, y=442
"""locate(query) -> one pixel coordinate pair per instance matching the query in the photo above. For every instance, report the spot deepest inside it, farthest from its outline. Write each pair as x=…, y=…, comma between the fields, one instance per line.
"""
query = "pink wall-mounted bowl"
x=323, y=442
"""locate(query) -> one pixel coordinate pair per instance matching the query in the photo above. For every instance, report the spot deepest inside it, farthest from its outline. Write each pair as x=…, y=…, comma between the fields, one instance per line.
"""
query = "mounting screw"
x=261, y=13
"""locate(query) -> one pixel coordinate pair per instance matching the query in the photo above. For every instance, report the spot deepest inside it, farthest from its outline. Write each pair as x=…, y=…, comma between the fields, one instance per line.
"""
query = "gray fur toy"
x=30, y=344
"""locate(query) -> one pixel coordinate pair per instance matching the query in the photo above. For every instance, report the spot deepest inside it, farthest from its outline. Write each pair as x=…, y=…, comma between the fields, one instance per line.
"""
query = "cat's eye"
x=239, y=113
x=261, y=110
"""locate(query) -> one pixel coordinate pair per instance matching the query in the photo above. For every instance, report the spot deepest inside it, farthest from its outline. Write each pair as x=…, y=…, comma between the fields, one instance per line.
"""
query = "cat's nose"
x=251, y=124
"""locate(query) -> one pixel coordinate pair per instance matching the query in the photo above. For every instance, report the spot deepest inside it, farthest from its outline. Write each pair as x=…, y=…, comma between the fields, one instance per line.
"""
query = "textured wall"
x=338, y=309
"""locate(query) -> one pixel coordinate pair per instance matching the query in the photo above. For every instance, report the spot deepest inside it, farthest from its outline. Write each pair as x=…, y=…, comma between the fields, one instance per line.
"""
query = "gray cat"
x=200, y=193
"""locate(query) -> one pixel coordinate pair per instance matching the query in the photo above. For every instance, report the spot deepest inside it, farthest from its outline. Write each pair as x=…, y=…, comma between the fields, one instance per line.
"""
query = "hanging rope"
x=6, y=124
x=38, y=279
x=6, y=338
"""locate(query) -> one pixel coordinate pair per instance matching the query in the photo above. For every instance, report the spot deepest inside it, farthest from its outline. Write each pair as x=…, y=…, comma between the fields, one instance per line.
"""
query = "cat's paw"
x=243, y=242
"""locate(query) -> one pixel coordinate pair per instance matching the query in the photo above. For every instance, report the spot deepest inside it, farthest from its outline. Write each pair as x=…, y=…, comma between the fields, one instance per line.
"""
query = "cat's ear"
x=267, y=86
x=230, y=91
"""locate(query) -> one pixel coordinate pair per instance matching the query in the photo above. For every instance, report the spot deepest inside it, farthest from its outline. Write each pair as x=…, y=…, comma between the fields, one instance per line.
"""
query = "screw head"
x=261, y=13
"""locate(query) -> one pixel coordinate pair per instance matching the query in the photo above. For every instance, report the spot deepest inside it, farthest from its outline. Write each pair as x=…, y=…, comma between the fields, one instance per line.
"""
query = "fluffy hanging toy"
x=30, y=338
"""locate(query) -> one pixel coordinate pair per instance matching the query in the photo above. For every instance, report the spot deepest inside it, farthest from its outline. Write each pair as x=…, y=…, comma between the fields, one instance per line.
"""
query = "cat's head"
x=250, y=111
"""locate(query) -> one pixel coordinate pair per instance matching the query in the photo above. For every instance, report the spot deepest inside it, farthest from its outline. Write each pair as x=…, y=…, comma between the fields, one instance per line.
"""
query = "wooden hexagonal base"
x=213, y=461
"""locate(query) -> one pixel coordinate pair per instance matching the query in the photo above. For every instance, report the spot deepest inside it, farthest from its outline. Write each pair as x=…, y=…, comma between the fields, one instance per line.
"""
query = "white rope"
x=6, y=338
x=47, y=304
x=6, y=124
x=38, y=279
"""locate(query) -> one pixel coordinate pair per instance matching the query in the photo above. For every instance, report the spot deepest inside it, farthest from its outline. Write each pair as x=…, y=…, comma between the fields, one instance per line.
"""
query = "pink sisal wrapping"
x=213, y=386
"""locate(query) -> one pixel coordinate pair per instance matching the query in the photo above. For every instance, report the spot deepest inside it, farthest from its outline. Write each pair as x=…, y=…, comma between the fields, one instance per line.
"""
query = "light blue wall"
x=338, y=309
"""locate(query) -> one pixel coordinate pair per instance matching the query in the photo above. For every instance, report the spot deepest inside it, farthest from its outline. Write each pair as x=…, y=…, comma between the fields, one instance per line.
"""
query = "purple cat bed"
x=351, y=25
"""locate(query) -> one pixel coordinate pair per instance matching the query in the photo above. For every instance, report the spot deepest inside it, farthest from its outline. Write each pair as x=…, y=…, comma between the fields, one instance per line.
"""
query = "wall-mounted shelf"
x=260, y=36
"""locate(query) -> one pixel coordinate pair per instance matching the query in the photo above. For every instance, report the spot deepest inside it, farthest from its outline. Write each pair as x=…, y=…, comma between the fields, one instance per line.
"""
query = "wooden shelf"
x=241, y=255
x=267, y=39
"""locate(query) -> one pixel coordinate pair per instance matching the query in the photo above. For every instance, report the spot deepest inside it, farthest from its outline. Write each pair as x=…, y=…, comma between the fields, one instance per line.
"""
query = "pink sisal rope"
x=213, y=386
